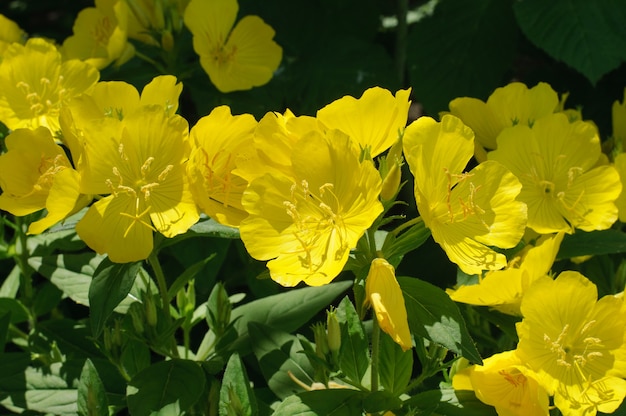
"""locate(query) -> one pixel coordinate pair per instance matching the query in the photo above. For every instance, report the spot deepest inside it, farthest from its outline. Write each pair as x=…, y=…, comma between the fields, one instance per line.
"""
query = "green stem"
x=401, y=39
x=160, y=277
x=406, y=225
x=375, y=353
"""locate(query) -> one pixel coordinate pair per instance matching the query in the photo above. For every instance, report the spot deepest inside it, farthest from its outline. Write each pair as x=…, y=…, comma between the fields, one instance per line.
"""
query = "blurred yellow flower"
x=138, y=160
x=568, y=337
x=557, y=163
x=35, y=83
x=618, y=112
x=35, y=174
x=384, y=295
x=511, y=105
x=99, y=35
x=307, y=223
x=10, y=32
x=505, y=383
x=154, y=22
x=375, y=121
x=218, y=140
x=235, y=58
x=503, y=290
x=470, y=212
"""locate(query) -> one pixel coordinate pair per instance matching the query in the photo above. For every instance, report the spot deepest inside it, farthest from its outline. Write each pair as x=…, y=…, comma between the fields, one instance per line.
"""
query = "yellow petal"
x=385, y=295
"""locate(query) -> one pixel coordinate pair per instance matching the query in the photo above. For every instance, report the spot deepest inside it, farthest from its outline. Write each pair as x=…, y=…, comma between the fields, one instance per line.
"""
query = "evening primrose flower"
x=35, y=83
x=466, y=212
x=218, y=140
x=99, y=35
x=503, y=290
x=506, y=384
x=511, y=105
x=307, y=223
x=618, y=112
x=35, y=174
x=384, y=294
x=556, y=162
x=604, y=395
x=568, y=337
x=139, y=161
x=374, y=121
x=238, y=58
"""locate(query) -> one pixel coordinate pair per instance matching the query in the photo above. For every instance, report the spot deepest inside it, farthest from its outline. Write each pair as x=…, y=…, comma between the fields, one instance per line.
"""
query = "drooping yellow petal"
x=374, y=121
x=384, y=294
x=10, y=32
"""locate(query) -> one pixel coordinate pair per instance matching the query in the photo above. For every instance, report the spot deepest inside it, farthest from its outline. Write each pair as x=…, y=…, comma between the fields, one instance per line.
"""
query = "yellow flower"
x=569, y=337
x=35, y=84
x=503, y=290
x=513, y=104
x=218, y=140
x=556, y=162
x=307, y=223
x=505, y=383
x=35, y=173
x=139, y=161
x=99, y=35
x=375, y=121
x=466, y=212
x=10, y=32
x=238, y=58
x=384, y=294
x=620, y=165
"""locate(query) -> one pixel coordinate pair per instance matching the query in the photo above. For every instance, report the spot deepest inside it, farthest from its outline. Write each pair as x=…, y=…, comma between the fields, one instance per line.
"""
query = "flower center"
x=461, y=209
x=577, y=349
x=102, y=31
x=317, y=222
x=44, y=98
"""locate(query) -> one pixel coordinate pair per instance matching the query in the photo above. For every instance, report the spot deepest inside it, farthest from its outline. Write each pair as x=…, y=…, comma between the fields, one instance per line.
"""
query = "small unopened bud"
x=150, y=309
x=391, y=182
x=167, y=41
x=334, y=331
x=321, y=340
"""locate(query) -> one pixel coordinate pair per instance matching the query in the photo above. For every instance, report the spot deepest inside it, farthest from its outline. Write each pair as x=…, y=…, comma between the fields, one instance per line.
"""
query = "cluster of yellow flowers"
x=303, y=190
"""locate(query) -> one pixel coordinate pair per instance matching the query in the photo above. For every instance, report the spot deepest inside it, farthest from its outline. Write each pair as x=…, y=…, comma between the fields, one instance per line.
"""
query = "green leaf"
x=279, y=353
x=354, y=352
x=235, y=393
x=163, y=384
x=433, y=315
x=71, y=273
x=333, y=402
x=583, y=243
x=449, y=402
x=394, y=366
x=465, y=48
x=587, y=35
x=46, y=298
x=92, y=400
x=44, y=390
x=18, y=312
x=135, y=357
x=286, y=311
x=110, y=285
